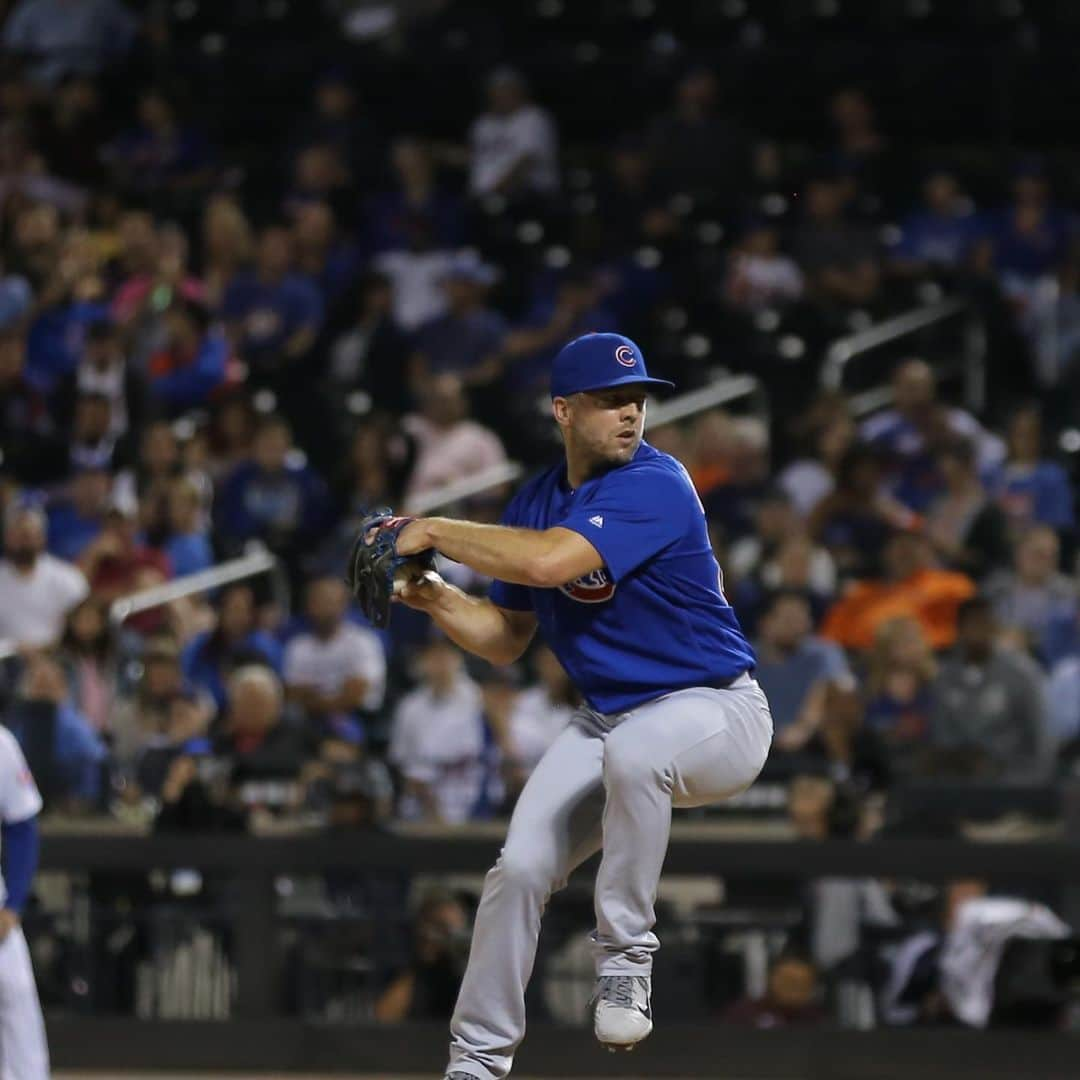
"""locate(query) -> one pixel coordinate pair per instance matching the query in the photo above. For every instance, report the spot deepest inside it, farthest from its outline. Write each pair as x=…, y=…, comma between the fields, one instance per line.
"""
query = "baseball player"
x=24, y=1054
x=609, y=555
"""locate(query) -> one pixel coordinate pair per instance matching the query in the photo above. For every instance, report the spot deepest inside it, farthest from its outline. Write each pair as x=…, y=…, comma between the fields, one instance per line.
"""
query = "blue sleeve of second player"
x=18, y=857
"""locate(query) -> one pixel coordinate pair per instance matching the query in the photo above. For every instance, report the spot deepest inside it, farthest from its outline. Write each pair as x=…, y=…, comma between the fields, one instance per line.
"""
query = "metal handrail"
x=842, y=351
x=718, y=393
x=258, y=561
x=438, y=498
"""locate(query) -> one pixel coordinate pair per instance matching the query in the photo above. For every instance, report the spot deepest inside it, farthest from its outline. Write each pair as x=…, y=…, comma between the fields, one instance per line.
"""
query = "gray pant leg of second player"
x=555, y=827
x=690, y=748
x=24, y=1054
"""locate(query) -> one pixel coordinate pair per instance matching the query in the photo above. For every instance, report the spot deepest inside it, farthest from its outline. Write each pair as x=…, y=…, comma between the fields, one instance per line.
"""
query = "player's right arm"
x=496, y=634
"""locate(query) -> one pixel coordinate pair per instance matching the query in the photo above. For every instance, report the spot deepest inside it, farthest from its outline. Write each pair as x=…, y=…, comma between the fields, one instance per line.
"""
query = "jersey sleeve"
x=632, y=515
x=19, y=798
x=502, y=593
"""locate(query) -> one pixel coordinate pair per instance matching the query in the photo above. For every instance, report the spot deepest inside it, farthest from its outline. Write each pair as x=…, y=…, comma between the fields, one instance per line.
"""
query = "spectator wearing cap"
x=732, y=503
x=334, y=671
x=467, y=339
x=1031, y=488
x=236, y=641
x=450, y=446
x=103, y=370
x=29, y=443
x=1035, y=599
x=987, y=714
x=417, y=196
x=273, y=313
x=60, y=38
x=917, y=422
x=185, y=732
x=37, y=590
x=438, y=742
x=141, y=714
x=274, y=496
x=941, y=234
x=911, y=585
x=795, y=668
x=513, y=147
x=192, y=362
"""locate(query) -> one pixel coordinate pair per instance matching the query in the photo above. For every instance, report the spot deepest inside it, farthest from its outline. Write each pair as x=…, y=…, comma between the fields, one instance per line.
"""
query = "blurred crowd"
x=200, y=351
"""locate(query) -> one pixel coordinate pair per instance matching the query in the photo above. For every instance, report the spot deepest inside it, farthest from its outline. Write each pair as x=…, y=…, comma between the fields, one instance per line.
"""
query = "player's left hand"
x=413, y=538
x=8, y=921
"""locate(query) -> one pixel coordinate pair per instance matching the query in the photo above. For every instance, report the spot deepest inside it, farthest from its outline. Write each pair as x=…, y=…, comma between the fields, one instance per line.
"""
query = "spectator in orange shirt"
x=912, y=586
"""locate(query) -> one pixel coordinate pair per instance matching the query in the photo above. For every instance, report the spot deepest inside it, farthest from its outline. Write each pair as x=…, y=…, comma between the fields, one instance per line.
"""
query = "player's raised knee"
x=525, y=870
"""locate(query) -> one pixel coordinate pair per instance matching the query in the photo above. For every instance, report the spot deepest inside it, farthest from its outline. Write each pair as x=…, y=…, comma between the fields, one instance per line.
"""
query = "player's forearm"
x=516, y=556
x=475, y=624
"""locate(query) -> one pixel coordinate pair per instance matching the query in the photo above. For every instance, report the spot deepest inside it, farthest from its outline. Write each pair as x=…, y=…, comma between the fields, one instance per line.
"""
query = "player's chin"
x=624, y=449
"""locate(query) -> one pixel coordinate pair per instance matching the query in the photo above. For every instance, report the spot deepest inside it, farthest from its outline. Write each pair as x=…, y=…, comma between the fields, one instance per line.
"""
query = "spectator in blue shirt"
x=795, y=668
x=210, y=657
x=192, y=362
x=77, y=518
x=160, y=154
x=939, y=235
x=467, y=339
x=61, y=747
x=1030, y=237
x=1031, y=489
x=274, y=497
x=391, y=216
x=187, y=545
x=273, y=314
x=575, y=308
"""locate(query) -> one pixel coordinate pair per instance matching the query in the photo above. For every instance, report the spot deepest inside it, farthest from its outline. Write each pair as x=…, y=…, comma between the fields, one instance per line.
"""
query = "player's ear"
x=560, y=409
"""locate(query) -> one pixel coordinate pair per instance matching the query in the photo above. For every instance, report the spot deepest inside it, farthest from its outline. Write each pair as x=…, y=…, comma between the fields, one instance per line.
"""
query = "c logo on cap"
x=625, y=356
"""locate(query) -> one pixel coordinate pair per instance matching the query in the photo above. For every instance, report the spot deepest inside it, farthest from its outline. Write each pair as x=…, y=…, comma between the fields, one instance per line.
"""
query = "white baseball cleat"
x=623, y=1014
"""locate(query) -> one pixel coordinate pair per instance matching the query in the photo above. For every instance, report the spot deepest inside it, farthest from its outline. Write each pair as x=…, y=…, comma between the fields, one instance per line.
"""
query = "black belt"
x=726, y=684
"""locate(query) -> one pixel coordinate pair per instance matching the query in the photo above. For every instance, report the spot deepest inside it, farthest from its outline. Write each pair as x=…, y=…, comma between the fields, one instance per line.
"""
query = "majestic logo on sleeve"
x=593, y=588
x=625, y=355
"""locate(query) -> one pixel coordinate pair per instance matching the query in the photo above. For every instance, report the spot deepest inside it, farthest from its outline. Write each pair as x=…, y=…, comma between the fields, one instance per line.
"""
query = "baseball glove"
x=375, y=565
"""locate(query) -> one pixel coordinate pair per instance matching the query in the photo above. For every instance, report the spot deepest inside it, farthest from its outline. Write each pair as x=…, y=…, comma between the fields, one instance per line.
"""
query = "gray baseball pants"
x=606, y=782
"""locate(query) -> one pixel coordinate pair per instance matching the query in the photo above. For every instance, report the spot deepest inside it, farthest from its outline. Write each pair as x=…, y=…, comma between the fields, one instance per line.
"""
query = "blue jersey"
x=655, y=618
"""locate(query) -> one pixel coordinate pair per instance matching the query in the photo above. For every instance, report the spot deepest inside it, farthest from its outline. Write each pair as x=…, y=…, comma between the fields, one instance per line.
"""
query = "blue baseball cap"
x=598, y=362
